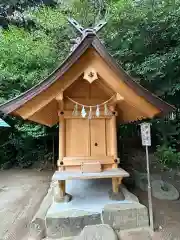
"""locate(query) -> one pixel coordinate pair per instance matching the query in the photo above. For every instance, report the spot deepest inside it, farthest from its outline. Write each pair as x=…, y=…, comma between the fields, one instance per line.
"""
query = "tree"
x=142, y=35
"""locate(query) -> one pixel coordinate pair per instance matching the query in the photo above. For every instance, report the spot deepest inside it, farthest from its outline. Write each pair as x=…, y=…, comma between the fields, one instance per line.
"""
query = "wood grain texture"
x=91, y=167
x=115, y=185
x=77, y=135
x=98, y=137
x=73, y=161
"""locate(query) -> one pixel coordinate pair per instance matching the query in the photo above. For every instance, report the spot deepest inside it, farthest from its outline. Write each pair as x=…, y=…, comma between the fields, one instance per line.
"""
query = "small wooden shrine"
x=87, y=95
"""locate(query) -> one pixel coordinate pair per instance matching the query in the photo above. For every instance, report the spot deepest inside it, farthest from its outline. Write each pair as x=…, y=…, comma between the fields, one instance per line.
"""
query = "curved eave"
x=90, y=40
x=164, y=107
x=15, y=103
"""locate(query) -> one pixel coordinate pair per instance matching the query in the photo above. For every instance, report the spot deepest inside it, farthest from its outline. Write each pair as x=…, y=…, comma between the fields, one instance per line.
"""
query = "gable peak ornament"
x=90, y=75
x=84, y=31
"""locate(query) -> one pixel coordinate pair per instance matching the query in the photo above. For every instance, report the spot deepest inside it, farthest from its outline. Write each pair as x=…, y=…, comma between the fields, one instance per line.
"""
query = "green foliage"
x=50, y=19
x=26, y=57
x=168, y=156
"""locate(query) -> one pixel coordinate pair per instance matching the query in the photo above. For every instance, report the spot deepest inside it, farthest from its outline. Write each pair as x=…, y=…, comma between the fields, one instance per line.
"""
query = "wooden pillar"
x=61, y=140
x=62, y=184
x=117, y=100
x=115, y=181
x=62, y=188
x=115, y=185
x=114, y=139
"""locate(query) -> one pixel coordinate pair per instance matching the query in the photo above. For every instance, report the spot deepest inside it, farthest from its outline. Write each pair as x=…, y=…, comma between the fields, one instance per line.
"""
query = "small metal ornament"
x=75, y=111
x=83, y=112
x=97, y=111
x=90, y=113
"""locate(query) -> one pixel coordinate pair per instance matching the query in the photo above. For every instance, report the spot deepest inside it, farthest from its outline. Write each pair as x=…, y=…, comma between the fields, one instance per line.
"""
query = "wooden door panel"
x=77, y=137
x=98, y=138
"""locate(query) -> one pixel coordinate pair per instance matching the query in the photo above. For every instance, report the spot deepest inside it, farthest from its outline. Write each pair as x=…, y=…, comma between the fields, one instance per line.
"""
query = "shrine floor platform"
x=90, y=195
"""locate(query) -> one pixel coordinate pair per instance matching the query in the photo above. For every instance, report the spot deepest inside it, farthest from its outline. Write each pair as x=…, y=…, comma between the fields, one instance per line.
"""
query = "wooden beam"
x=68, y=114
x=74, y=161
x=59, y=96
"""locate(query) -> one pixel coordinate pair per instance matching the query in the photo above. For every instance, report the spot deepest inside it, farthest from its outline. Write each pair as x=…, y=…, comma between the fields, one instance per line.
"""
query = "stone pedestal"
x=125, y=216
x=69, y=223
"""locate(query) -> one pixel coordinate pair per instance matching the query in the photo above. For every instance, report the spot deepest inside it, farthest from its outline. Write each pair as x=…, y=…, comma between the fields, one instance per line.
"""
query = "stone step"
x=68, y=223
x=125, y=216
x=97, y=232
x=135, y=234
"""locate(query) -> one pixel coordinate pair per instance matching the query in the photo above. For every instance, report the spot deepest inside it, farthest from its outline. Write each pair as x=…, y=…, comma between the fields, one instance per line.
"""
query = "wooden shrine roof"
x=90, y=40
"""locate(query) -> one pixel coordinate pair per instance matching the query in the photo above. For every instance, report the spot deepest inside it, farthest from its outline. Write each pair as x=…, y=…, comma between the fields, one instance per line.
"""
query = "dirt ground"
x=21, y=192
x=166, y=213
x=166, y=217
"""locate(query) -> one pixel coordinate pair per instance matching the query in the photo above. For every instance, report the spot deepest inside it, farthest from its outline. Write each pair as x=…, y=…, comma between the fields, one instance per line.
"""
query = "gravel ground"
x=21, y=192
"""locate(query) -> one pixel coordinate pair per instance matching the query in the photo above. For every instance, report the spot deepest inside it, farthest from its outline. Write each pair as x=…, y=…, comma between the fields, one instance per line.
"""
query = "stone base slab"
x=135, y=234
x=125, y=216
x=70, y=223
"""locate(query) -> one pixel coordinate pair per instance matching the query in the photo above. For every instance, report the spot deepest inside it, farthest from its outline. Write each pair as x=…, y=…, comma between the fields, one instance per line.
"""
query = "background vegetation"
x=142, y=35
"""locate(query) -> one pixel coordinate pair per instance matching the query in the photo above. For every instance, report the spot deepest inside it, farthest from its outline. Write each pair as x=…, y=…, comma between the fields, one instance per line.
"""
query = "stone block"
x=70, y=223
x=37, y=227
x=116, y=196
x=97, y=232
x=135, y=234
x=125, y=216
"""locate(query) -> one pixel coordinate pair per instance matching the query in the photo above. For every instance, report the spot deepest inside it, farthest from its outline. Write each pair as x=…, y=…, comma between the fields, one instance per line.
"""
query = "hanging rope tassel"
x=106, y=111
x=83, y=112
x=97, y=111
x=75, y=112
x=90, y=113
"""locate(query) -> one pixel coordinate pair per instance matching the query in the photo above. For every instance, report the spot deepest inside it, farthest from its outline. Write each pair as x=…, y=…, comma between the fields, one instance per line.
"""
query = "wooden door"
x=97, y=137
x=77, y=137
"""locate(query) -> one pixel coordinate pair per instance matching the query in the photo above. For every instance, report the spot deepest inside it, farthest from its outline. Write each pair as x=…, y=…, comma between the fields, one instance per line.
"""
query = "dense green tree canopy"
x=142, y=35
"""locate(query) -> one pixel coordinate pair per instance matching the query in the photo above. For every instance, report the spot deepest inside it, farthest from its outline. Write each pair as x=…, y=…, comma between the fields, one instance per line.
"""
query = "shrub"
x=168, y=156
